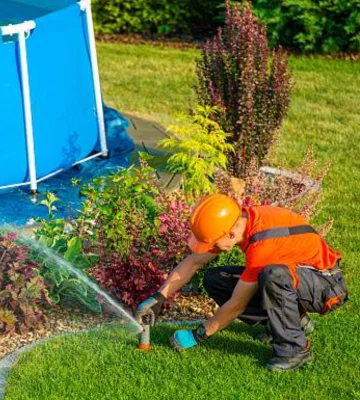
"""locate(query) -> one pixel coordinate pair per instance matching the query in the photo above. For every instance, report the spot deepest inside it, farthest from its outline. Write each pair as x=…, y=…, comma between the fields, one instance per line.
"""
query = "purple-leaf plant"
x=234, y=74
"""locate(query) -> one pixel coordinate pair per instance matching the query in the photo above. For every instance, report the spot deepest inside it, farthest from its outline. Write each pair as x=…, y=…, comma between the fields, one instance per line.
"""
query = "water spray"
x=50, y=256
x=141, y=326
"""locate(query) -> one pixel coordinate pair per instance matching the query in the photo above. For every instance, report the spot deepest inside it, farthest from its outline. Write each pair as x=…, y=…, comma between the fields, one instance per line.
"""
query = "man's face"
x=226, y=243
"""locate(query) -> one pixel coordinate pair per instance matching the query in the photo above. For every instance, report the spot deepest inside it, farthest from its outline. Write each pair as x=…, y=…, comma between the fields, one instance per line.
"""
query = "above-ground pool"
x=51, y=113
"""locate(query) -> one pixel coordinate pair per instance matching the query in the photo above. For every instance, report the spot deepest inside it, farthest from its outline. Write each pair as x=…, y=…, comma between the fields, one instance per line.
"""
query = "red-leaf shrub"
x=233, y=74
x=22, y=289
x=133, y=277
x=174, y=229
x=137, y=231
x=130, y=279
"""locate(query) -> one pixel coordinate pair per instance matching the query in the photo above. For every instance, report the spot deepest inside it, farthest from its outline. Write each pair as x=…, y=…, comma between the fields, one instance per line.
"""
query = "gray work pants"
x=277, y=304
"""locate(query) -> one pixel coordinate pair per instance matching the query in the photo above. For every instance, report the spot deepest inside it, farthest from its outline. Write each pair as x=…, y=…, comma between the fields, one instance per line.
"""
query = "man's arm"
x=176, y=280
x=235, y=306
x=182, y=274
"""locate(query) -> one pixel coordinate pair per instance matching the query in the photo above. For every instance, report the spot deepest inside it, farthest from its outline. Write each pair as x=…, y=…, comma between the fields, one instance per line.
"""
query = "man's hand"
x=186, y=338
x=152, y=307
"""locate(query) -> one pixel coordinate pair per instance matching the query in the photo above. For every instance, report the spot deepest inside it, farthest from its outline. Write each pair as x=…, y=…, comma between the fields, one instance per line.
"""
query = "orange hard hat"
x=212, y=218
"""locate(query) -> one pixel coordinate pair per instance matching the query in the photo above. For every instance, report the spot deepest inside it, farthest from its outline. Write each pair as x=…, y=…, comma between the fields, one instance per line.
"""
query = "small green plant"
x=117, y=203
x=62, y=284
x=137, y=231
x=199, y=147
x=75, y=181
x=48, y=202
x=60, y=236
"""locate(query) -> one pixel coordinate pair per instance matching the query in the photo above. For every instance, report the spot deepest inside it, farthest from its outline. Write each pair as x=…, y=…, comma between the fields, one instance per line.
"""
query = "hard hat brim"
x=199, y=247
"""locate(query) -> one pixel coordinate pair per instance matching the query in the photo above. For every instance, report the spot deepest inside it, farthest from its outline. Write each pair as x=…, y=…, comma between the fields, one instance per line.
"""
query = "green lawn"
x=325, y=113
x=147, y=81
x=107, y=365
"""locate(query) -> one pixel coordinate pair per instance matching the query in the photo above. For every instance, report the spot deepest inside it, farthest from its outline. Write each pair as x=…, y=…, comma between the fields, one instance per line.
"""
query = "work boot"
x=306, y=323
x=290, y=363
x=264, y=337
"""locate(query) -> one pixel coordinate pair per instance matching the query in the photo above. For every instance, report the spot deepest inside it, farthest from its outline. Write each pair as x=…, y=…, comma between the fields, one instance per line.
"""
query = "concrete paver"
x=146, y=135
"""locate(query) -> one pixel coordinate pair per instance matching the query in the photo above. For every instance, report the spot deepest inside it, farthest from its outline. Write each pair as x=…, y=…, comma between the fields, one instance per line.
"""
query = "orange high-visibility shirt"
x=303, y=249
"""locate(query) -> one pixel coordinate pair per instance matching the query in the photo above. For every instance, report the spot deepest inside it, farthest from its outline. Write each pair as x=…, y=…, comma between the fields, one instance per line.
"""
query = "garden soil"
x=60, y=321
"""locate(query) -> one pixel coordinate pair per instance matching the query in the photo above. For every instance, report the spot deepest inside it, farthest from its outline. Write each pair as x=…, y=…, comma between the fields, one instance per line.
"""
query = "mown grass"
x=324, y=113
x=107, y=365
x=147, y=81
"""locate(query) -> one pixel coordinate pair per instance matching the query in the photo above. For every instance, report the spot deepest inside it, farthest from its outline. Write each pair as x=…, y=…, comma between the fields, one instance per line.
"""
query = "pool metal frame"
x=23, y=31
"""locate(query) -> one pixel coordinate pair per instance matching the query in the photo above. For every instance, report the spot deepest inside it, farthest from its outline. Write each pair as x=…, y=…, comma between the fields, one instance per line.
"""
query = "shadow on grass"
x=237, y=339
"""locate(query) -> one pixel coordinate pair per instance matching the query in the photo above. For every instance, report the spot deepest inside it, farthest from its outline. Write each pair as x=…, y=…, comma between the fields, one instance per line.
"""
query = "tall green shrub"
x=139, y=16
x=324, y=26
x=234, y=75
x=156, y=16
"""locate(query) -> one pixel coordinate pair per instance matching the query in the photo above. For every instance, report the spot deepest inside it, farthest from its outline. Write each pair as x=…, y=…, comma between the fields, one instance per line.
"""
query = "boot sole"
x=300, y=365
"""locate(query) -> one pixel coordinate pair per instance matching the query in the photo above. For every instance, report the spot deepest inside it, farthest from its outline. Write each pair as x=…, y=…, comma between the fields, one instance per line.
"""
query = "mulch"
x=190, y=307
x=60, y=321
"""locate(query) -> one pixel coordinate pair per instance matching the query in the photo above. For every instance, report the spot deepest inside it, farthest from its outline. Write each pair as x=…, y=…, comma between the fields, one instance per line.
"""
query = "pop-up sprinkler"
x=145, y=333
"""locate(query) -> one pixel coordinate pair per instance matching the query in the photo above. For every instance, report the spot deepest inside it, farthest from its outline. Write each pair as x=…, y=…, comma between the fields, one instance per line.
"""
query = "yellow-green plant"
x=199, y=147
x=48, y=202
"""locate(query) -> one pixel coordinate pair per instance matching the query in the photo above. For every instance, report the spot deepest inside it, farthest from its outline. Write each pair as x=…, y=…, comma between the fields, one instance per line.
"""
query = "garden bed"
x=61, y=320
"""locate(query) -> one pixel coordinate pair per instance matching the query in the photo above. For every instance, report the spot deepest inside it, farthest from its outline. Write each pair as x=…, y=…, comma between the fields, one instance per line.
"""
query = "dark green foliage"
x=155, y=16
x=22, y=289
x=324, y=26
x=138, y=16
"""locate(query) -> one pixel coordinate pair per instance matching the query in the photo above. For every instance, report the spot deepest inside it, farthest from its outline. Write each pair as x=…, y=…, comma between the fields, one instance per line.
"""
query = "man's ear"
x=231, y=235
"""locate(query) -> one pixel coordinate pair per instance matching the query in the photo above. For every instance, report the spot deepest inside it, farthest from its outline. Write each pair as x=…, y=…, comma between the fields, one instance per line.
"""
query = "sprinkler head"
x=145, y=339
x=145, y=334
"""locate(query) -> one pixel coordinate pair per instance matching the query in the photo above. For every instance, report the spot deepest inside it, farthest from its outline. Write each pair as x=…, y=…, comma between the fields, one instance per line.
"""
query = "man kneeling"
x=289, y=271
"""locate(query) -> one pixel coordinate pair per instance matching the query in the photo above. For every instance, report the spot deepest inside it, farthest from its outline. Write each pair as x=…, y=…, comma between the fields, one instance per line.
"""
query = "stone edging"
x=7, y=362
x=309, y=184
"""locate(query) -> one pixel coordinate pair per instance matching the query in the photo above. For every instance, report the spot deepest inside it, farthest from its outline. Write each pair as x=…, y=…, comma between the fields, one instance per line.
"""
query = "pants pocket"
x=310, y=293
x=335, y=294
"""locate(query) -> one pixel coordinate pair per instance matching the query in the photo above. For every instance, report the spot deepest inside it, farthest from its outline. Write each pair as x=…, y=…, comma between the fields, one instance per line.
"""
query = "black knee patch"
x=210, y=277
